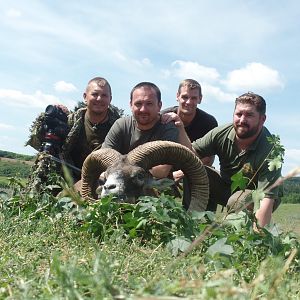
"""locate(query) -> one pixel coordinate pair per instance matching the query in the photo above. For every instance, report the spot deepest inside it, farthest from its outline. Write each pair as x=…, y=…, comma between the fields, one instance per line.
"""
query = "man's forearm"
x=183, y=138
x=161, y=171
x=264, y=213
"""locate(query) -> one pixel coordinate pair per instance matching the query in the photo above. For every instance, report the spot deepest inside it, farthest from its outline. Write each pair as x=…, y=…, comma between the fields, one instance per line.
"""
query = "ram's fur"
x=128, y=176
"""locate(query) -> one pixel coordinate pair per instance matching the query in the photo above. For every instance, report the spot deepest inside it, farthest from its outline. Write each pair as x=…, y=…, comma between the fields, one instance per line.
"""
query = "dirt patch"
x=12, y=160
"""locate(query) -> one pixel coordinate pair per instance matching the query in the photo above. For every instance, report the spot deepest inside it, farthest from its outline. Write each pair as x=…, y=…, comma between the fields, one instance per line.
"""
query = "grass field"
x=13, y=160
x=287, y=217
x=44, y=256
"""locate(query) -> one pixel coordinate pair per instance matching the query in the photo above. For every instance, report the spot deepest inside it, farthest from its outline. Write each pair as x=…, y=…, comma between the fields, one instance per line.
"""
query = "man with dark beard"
x=242, y=147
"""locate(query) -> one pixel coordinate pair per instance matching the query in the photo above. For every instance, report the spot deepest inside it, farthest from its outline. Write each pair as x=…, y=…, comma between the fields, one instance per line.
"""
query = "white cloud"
x=6, y=126
x=13, y=13
x=293, y=155
x=19, y=99
x=210, y=91
x=291, y=160
x=130, y=62
x=62, y=86
x=255, y=76
x=208, y=77
x=188, y=69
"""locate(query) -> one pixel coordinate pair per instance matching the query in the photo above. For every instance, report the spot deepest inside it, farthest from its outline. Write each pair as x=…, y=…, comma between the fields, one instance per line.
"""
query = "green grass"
x=52, y=259
x=4, y=181
x=287, y=216
x=11, y=167
x=46, y=256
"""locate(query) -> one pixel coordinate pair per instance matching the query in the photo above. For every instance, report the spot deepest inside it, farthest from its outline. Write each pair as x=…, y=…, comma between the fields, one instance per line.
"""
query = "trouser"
x=220, y=193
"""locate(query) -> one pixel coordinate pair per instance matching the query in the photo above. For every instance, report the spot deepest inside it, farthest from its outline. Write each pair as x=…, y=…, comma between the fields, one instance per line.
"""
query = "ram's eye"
x=140, y=176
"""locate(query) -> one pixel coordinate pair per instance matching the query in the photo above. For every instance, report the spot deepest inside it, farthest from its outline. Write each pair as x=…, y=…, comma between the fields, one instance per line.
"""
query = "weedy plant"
x=60, y=247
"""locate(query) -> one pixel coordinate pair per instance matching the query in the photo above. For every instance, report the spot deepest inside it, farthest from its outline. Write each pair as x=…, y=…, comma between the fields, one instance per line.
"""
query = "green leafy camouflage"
x=44, y=165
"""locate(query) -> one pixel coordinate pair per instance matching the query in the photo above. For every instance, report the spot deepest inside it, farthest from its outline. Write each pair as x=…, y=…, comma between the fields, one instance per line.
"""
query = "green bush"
x=61, y=248
x=291, y=198
x=17, y=168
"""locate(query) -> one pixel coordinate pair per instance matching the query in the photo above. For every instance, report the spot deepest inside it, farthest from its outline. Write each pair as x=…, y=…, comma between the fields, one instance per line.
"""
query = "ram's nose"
x=108, y=189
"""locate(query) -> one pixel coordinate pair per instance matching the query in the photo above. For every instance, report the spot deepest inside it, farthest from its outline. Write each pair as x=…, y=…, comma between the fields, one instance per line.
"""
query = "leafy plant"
x=44, y=253
x=275, y=157
x=159, y=220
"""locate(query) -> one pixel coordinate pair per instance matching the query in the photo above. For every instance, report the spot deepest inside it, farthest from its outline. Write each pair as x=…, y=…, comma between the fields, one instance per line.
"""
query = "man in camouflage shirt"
x=88, y=127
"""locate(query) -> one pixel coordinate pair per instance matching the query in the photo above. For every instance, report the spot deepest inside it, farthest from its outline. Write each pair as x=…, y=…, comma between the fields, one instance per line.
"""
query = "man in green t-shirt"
x=143, y=126
x=242, y=146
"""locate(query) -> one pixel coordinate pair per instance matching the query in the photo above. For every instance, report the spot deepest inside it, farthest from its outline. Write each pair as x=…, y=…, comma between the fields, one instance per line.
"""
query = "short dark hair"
x=253, y=99
x=191, y=84
x=147, y=84
x=100, y=82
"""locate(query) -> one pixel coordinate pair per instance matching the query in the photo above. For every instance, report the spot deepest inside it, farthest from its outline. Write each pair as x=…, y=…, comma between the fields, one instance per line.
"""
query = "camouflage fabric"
x=44, y=165
x=37, y=133
x=76, y=122
x=41, y=172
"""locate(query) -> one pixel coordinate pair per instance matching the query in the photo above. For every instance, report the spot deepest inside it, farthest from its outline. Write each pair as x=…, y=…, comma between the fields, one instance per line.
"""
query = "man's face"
x=145, y=107
x=188, y=99
x=247, y=121
x=97, y=98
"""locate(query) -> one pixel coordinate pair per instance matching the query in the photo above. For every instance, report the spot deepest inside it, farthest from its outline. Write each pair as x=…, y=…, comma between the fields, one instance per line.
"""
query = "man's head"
x=188, y=96
x=97, y=95
x=145, y=104
x=249, y=115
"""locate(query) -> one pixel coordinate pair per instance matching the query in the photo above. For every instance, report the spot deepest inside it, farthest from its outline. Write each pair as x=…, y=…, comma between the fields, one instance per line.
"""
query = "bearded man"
x=242, y=146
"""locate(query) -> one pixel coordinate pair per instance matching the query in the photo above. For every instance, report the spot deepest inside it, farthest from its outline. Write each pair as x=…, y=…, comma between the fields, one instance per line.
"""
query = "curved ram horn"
x=93, y=166
x=155, y=153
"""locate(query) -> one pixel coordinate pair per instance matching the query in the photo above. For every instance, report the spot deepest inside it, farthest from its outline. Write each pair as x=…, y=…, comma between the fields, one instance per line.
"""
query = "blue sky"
x=50, y=49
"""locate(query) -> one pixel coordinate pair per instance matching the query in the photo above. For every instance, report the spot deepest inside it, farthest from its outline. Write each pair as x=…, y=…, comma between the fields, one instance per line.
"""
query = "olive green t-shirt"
x=125, y=136
x=220, y=141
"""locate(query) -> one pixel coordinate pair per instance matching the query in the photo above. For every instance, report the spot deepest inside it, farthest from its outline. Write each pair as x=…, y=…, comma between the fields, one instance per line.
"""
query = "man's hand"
x=171, y=116
x=183, y=139
x=264, y=213
x=63, y=108
x=177, y=175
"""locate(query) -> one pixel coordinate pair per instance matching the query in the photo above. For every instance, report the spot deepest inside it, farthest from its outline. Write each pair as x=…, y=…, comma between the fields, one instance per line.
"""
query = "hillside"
x=16, y=156
x=13, y=164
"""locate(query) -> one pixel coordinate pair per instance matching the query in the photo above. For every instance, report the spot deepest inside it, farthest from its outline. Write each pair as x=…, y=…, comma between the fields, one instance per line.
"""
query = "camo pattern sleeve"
x=36, y=133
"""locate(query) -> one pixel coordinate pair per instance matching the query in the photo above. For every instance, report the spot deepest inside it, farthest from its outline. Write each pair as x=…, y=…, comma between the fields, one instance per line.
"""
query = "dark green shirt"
x=90, y=138
x=221, y=142
x=125, y=136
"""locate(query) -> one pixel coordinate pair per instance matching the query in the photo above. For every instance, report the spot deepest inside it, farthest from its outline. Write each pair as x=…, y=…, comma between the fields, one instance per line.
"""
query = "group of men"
x=242, y=143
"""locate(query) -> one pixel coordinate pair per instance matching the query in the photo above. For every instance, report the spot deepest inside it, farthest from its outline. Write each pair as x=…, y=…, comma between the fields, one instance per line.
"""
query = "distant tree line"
x=13, y=155
x=291, y=190
x=291, y=187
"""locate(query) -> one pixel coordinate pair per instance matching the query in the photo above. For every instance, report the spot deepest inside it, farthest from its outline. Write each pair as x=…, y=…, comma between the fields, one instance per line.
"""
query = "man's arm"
x=161, y=171
x=264, y=213
x=183, y=138
x=267, y=182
